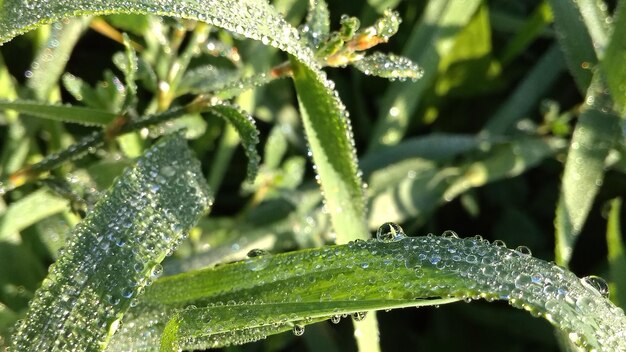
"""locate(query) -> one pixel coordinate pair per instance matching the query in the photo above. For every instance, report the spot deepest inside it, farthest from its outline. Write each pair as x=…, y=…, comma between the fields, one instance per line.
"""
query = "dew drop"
x=524, y=250
x=358, y=316
x=390, y=232
x=335, y=319
x=449, y=234
x=597, y=283
x=298, y=330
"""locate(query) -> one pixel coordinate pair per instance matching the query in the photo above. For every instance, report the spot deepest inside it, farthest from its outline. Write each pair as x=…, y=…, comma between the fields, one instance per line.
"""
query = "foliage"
x=498, y=118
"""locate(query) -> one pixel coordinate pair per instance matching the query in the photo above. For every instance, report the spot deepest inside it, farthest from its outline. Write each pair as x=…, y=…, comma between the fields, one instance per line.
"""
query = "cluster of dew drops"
x=390, y=232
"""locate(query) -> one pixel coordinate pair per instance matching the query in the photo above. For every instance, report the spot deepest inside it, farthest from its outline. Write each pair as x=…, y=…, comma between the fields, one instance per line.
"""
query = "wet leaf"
x=115, y=251
x=250, y=299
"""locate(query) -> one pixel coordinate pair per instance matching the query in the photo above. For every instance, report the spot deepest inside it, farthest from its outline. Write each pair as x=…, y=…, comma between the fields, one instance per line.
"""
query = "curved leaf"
x=246, y=128
x=112, y=254
x=247, y=300
x=389, y=66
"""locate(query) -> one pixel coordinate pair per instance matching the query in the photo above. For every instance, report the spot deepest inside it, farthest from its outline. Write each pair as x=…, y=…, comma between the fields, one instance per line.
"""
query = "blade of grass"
x=115, y=250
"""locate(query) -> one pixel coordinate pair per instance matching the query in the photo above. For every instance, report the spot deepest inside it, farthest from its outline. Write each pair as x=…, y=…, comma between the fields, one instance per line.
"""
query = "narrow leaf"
x=597, y=130
x=613, y=61
x=616, y=255
x=317, y=24
x=329, y=135
x=389, y=66
x=113, y=253
x=64, y=113
x=247, y=300
x=246, y=128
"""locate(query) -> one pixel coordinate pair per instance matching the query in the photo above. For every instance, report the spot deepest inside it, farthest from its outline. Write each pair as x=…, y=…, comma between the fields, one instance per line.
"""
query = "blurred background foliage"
x=477, y=146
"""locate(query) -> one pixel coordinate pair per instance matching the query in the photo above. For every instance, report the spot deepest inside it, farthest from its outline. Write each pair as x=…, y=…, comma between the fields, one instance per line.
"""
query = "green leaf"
x=596, y=132
x=317, y=24
x=247, y=300
x=428, y=43
x=414, y=187
x=389, y=66
x=49, y=64
x=614, y=57
x=616, y=255
x=330, y=139
x=206, y=79
x=246, y=128
x=533, y=27
x=575, y=42
x=64, y=113
x=113, y=253
x=30, y=210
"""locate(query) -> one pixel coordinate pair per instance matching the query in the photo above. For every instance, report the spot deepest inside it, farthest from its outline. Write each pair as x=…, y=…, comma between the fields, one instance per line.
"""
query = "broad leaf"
x=115, y=252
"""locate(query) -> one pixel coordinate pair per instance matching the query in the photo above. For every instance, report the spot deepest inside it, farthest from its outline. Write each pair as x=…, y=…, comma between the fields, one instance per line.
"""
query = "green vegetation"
x=122, y=122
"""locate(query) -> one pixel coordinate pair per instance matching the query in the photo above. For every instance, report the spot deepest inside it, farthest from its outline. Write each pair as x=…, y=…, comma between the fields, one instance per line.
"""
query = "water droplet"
x=298, y=330
x=449, y=234
x=358, y=316
x=335, y=319
x=597, y=283
x=499, y=243
x=524, y=250
x=257, y=253
x=390, y=232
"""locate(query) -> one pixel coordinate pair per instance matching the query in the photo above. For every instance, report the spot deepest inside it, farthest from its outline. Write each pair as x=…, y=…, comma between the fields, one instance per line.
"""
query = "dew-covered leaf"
x=317, y=24
x=48, y=65
x=266, y=294
x=613, y=61
x=597, y=129
x=330, y=139
x=575, y=41
x=29, y=210
x=389, y=66
x=64, y=113
x=246, y=128
x=115, y=251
